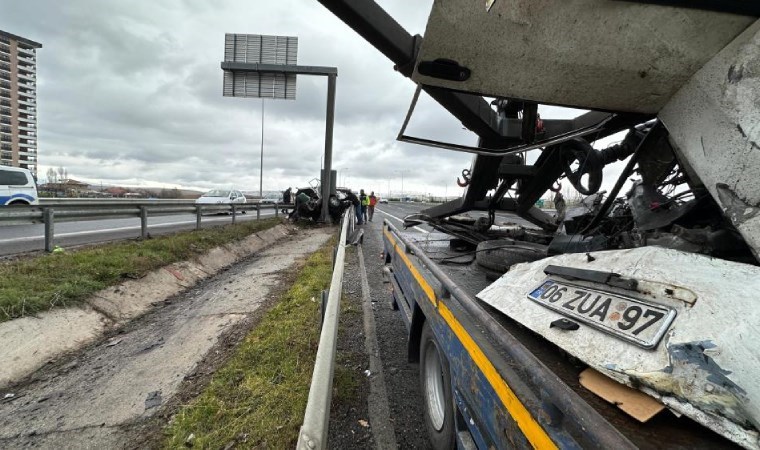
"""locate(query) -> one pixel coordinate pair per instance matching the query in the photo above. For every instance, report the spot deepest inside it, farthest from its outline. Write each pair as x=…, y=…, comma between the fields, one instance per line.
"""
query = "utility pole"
x=261, y=164
x=402, y=182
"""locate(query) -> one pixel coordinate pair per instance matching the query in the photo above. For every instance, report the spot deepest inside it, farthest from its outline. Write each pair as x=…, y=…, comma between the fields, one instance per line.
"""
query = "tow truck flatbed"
x=513, y=388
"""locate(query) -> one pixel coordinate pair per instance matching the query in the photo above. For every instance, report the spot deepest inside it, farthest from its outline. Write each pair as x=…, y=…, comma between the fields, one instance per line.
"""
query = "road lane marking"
x=401, y=220
x=108, y=230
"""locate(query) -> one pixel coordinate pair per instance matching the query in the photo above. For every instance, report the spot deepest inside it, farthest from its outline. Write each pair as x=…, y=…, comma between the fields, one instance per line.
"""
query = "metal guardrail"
x=52, y=210
x=316, y=419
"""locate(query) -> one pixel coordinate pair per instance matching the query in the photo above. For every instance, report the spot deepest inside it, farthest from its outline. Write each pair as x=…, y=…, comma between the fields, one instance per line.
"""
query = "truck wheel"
x=435, y=381
x=500, y=254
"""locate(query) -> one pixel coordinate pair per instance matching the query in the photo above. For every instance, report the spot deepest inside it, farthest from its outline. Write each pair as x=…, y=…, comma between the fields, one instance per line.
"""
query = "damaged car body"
x=652, y=283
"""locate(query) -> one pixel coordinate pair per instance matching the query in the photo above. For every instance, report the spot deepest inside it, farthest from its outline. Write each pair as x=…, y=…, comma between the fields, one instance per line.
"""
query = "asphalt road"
x=400, y=378
x=15, y=239
x=397, y=211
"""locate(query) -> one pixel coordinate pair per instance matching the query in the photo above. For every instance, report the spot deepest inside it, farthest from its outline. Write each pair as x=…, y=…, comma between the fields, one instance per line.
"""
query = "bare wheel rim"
x=434, y=394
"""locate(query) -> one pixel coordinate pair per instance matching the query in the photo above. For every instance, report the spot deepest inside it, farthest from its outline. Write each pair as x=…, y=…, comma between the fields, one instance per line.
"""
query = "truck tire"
x=435, y=383
x=500, y=254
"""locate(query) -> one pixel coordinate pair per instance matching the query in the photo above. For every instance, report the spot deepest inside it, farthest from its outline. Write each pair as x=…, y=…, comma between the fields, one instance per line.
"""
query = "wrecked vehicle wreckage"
x=651, y=284
x=311, y=206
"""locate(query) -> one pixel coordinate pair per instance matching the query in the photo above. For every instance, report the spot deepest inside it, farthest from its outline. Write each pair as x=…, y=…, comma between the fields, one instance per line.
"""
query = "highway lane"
x=16, y=239
x=397, y=211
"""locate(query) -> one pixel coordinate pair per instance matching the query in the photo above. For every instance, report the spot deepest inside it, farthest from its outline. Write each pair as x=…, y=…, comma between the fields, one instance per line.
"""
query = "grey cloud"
x=132, y=91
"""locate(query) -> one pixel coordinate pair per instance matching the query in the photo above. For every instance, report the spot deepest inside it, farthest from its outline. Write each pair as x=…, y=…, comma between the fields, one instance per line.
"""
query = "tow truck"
x=628, y=321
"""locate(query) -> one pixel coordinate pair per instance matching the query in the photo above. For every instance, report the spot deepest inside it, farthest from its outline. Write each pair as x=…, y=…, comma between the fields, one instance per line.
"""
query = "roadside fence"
x=316, y=421
x=51, y=211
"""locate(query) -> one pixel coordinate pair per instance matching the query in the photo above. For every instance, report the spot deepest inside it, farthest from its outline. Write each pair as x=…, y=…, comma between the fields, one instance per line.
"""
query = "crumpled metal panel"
x=714, y=122
x=594, y=54
x=708, y=364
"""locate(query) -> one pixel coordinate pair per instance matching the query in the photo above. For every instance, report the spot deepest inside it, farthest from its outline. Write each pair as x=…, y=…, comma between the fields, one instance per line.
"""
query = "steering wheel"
x=589, y=163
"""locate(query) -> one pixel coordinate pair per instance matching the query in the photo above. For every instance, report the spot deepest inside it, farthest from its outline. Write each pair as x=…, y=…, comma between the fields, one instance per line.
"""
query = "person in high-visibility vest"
x=365, y=204
x=372, y=203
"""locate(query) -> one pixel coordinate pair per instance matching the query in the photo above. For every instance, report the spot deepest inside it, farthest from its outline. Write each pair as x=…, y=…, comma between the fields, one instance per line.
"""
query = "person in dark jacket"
x=357, y=204
x=286, y=194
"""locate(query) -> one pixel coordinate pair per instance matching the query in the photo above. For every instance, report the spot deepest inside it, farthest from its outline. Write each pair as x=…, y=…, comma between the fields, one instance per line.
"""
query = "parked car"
x=384, y=201
x=17, y=187
x=221, y=197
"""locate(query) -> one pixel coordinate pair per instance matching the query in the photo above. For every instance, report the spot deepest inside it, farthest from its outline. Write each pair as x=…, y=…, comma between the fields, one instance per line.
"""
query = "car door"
x=5, y=192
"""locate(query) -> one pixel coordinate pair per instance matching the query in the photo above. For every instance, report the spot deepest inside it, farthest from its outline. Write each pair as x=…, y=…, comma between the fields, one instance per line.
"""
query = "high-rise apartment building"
x=18, y=102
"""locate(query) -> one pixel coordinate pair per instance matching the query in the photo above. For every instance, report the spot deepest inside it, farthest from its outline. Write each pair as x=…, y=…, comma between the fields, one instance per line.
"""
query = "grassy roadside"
x=258, y=398
x=30, y=286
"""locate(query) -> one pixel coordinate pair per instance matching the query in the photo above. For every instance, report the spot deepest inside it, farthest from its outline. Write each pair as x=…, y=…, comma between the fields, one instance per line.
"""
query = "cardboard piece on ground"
x=635, y=403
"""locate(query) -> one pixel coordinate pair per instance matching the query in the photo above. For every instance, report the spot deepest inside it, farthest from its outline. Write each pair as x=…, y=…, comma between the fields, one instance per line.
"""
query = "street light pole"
x=402, y=182
x=261, y=163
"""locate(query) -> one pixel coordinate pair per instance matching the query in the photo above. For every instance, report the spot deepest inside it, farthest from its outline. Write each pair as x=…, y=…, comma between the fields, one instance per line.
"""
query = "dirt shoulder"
x=114, y=391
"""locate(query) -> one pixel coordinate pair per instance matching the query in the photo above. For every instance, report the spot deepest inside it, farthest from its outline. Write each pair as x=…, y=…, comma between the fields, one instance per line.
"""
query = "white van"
x=17, y=187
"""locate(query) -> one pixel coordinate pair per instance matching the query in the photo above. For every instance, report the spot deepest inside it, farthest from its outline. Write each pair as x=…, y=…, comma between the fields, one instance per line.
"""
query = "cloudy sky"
x=129, y=92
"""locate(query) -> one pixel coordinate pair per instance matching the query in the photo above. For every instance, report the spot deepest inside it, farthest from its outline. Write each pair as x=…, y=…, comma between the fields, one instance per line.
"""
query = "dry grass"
x=33, y=285
x=257, y=400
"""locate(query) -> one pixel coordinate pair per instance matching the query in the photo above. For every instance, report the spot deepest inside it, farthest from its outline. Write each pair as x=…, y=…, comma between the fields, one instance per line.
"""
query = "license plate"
x=626, y=318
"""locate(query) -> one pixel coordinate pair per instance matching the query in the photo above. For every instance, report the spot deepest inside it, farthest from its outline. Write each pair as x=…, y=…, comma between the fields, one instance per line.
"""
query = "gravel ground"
x=349, y=417
x=401, y=378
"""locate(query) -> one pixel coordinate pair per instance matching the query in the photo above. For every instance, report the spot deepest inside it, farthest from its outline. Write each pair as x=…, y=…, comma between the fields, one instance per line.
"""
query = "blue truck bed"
x=509, y=388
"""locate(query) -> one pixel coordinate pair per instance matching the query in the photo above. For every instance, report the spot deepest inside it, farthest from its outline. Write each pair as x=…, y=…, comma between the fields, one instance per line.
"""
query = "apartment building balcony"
x=24, y=59
x=5, y=48
x=26, y=71
x=5, y=112
x=29, y=102
x=5, y=76
x=27, y=68
x=27, y=93
x=5, y=85
x=27, y=77
x=28, y=52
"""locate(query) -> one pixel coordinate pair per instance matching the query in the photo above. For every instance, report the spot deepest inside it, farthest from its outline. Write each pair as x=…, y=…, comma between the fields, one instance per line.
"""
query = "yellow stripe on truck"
x=415, y=273
x=534, y=433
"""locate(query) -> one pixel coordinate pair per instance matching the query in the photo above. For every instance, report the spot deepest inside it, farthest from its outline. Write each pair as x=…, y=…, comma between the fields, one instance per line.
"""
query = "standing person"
x=286, y=196
x=357, y=204
x=372, y=203
x=365, y=204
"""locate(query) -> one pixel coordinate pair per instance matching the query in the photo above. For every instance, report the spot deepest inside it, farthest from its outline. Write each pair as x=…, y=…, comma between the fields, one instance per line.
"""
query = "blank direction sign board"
x=260, y=49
